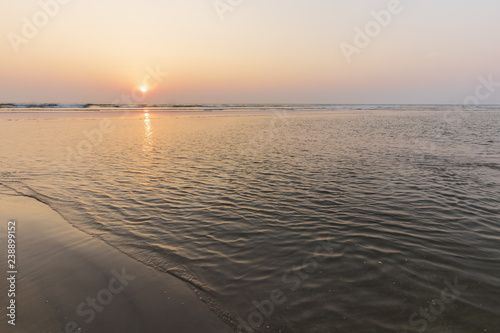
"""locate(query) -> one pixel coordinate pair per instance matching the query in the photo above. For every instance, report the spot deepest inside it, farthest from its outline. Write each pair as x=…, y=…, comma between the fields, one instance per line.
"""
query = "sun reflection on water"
x=148, y=133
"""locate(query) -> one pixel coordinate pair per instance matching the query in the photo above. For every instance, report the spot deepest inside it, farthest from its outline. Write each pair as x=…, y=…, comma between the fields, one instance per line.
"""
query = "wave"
x=12, y=186
x=232, y=107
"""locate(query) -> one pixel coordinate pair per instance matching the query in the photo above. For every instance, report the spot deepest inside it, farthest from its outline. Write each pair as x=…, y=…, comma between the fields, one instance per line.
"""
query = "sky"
x=250, y=51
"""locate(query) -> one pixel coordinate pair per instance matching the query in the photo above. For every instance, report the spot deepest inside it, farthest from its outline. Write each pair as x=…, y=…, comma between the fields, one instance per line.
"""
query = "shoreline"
x=69, y=281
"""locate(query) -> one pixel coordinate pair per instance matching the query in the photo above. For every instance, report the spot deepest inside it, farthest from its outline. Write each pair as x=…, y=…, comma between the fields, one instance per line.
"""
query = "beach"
x=250, y=166
x=68, y=281
x=284, y=218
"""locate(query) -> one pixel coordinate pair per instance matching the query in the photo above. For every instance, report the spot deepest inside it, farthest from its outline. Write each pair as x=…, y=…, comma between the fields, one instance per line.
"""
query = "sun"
x=143, y=89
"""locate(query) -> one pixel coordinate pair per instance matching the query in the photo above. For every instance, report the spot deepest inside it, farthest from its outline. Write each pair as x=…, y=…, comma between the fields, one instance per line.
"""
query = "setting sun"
x=143, y=89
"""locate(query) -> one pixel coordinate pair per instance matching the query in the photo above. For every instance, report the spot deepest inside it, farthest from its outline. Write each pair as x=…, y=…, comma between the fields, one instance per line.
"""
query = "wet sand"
x=68, y=281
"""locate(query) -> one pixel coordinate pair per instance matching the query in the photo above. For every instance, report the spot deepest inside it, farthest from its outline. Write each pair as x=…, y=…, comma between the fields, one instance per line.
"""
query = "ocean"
x=283, y=218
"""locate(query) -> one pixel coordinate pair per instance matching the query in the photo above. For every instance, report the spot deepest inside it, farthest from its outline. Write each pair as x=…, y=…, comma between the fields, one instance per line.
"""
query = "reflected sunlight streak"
x=148, y=132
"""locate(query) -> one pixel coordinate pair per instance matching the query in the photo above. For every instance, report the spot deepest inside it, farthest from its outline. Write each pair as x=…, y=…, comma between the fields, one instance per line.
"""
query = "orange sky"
x=286, y=51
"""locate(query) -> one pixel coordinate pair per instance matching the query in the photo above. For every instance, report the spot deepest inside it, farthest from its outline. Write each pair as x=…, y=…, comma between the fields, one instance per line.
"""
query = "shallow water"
x=352, y=219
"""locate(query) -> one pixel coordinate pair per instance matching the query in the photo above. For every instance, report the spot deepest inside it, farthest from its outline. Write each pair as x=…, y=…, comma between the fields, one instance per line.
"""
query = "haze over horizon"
x=322, y=52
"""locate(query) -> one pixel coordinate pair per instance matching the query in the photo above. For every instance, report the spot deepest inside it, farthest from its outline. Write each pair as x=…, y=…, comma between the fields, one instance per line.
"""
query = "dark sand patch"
x=60, y=267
